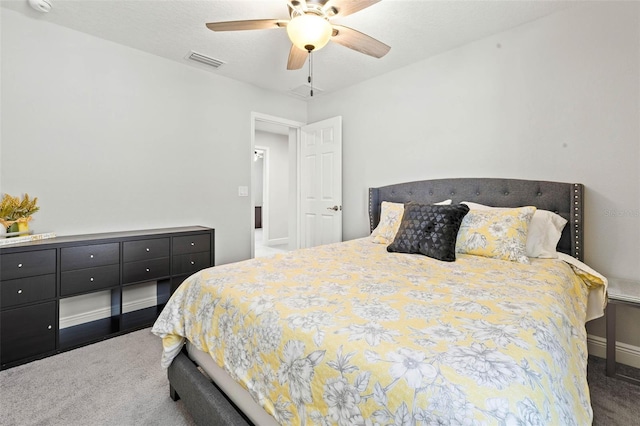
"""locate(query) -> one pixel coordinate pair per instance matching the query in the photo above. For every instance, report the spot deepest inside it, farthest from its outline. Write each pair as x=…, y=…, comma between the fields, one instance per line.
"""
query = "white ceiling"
x=414, y=29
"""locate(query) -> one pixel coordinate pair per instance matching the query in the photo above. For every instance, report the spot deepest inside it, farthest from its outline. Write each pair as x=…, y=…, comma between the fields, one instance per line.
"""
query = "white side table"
x=625, y=292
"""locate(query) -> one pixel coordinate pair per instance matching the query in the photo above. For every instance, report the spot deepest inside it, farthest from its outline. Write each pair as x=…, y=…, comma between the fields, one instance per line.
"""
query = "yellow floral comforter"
x=349, y=334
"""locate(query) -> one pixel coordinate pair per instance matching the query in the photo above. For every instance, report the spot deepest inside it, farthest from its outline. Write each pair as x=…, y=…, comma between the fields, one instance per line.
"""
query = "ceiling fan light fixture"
x=309, y=31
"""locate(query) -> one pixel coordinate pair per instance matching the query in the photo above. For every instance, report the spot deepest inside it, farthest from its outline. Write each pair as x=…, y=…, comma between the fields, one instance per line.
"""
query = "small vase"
x=23, y=227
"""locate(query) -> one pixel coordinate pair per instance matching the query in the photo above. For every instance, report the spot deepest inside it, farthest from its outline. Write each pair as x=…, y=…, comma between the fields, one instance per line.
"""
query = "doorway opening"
x=274, y=176
x=270, y=186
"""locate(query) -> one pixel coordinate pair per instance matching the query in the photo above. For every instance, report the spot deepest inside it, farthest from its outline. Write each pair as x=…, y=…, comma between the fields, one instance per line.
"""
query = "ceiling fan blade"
x=347, y=7
x=353, y=39
x=297, y=58
x=255, y=24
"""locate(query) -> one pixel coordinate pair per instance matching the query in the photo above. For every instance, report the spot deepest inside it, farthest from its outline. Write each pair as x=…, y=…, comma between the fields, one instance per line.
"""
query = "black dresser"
x=36, y=276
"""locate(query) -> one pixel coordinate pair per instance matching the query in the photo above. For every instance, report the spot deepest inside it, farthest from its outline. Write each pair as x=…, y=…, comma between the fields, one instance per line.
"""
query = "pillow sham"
x=498, y=234
x=430, y=230
x=390, y=219
x=545, y=230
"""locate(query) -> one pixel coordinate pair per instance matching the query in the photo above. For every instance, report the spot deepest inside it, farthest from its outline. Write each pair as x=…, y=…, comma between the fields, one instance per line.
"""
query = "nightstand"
x=625, y=292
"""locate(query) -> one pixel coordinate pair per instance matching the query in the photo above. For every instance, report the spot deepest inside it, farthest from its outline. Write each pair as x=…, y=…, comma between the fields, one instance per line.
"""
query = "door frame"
x=292, y=125
x=265, y=192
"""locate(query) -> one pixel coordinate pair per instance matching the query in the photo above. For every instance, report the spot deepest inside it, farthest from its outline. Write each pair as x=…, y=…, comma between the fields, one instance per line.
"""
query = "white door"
x=321, y=183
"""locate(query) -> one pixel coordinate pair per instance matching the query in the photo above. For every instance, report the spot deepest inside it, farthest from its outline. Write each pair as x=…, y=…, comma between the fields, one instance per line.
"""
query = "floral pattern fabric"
x=349, y=334
x=498, y=234
x=390, y=219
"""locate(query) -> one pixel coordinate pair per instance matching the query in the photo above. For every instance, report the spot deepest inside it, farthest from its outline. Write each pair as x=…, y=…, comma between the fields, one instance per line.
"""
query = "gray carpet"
x=614, y=401
x=114, y=382
x=120, y=382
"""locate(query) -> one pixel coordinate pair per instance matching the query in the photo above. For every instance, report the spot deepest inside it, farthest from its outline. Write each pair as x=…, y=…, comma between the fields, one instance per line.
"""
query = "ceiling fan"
x=310, y=28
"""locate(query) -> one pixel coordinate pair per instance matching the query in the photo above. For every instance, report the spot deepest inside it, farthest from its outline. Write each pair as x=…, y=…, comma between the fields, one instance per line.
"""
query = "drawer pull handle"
x=19, y=265
x=193, y=244
x=49, y=327
x=91, y=279
x=193, y=263
x=148, y=270
x=91, y=256
x=20, y=291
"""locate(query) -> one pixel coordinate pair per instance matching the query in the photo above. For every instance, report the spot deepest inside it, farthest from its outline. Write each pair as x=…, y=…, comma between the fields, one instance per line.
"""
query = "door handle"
x=334, y=208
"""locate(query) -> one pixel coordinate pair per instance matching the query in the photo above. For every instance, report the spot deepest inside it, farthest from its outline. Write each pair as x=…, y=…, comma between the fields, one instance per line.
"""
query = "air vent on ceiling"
x=203, y=59
x=304, y=91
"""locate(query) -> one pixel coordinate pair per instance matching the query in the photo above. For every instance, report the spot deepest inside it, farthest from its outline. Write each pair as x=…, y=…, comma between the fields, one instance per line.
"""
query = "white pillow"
x=390, y=219
x=545, y=230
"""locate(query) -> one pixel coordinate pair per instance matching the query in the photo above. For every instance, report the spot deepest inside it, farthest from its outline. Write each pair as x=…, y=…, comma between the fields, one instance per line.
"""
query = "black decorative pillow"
x=430, y=230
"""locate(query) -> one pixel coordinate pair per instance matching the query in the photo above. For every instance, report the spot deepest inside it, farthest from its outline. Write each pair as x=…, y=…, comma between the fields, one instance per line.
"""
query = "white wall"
x=277, y=163
x=555, y=99
x=110, y=138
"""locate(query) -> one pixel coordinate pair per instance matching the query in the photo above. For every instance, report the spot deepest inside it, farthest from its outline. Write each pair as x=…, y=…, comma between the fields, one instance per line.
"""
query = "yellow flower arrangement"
x=14, y=210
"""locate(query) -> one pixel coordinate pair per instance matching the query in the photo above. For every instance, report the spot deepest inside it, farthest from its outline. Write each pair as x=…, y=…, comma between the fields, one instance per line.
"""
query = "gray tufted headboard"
x=565, y=199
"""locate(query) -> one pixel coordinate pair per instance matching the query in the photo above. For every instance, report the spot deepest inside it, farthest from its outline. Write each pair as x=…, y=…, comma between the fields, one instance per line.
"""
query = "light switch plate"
x=243, y=191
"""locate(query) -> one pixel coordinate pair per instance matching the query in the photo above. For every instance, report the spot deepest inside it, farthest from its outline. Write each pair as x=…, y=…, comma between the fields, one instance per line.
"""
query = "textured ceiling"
x=415, y=30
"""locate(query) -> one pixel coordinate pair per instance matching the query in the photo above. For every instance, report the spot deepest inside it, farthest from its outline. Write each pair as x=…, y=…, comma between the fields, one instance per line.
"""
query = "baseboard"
x=88, y=316
x=134, y=305
x=277, y=242
x=625, y=353
x=105, y=312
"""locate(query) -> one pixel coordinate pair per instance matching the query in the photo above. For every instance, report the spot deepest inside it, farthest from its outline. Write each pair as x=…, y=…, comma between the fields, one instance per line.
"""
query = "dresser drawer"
x=89, y=280
x=89, y=256
x=28, y=331
x=27, y=290
x=146, y=270
x=27, y=264
x=188, y=263
x=191, y=244
x=133, y=251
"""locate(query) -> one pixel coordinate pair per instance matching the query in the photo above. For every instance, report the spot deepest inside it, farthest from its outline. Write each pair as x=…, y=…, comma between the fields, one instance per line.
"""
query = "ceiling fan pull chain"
x=310, y=79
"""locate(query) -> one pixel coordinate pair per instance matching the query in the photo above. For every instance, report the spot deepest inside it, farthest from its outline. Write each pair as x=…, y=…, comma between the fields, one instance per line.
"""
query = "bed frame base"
x=206, y=403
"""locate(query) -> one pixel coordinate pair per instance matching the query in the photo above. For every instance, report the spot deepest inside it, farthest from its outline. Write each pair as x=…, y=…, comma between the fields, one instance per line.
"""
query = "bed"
x=352, y=333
